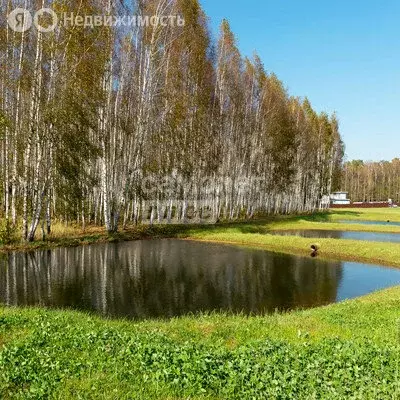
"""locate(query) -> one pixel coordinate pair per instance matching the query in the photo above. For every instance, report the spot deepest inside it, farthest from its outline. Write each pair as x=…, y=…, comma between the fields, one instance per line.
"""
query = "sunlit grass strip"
x=339, y=249
x=302, y=224
x=368, y=214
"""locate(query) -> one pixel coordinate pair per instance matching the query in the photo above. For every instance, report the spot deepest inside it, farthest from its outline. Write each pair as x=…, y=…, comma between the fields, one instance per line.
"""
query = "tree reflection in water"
x=165, y=278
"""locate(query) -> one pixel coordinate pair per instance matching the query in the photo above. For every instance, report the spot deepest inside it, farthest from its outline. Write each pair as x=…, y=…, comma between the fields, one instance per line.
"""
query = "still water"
x=166, y=278
x=368, y=236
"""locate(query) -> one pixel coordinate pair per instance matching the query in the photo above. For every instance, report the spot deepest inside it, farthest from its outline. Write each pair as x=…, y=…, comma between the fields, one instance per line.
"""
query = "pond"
x=332, y=234
x=167, y=278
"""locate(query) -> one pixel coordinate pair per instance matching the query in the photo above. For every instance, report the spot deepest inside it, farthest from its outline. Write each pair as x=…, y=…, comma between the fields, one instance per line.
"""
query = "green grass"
x=369, y=214
x=338, y=249
x=257, y=234
x=74, y=236
x=346, y=350
x=330, y=220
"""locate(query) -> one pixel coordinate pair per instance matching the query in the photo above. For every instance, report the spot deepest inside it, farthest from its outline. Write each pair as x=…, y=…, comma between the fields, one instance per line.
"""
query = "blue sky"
x=343, y=55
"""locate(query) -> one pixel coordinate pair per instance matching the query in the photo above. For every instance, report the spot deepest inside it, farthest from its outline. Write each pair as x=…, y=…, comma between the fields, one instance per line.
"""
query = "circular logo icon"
x=44, y=13
x=20, y=20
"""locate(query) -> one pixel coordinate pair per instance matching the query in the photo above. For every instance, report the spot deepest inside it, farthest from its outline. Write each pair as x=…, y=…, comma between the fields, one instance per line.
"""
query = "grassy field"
x=332, y=220
x=333, y=249
x=346, y=350
x=369, y=214
x=257, y=234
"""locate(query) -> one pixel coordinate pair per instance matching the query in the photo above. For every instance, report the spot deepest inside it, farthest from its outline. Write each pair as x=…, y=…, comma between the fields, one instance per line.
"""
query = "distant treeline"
x=153, y=122
x=372, y=181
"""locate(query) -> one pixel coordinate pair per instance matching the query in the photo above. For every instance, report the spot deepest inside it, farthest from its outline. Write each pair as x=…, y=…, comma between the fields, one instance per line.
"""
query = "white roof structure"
x=339, y=198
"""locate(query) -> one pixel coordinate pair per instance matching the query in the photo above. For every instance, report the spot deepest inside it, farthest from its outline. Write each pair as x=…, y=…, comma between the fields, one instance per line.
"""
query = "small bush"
x=7, y=232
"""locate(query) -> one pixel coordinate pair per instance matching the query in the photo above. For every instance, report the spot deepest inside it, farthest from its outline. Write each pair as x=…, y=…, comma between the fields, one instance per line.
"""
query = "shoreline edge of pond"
x=253, y=234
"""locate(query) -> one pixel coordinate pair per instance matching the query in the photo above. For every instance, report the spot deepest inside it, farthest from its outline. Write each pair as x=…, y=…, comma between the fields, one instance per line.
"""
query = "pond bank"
x=253, y=233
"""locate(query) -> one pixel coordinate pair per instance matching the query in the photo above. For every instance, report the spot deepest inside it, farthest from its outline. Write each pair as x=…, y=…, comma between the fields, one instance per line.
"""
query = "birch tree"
x=156, y=123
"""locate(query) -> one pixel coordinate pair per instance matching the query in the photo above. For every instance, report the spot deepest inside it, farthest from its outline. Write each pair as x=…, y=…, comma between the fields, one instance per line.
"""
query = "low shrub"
x=8, y=233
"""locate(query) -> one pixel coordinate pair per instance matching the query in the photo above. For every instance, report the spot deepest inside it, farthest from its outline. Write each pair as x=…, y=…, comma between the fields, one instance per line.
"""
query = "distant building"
x=339, y=198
